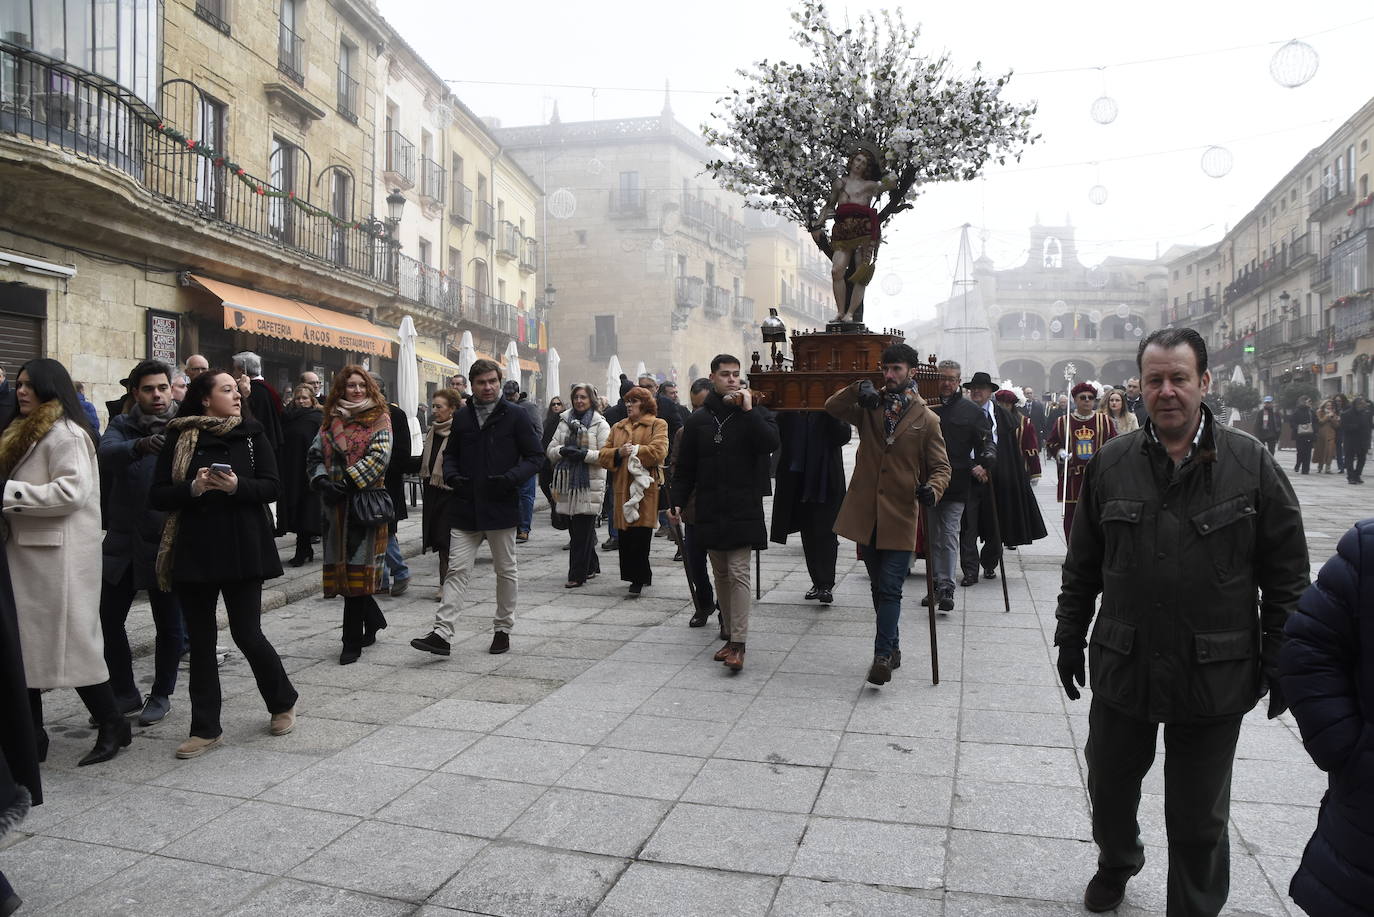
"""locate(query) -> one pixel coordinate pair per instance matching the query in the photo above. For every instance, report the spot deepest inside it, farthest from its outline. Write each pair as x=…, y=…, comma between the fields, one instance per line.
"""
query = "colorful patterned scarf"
x=190, y=429
x=895, y=405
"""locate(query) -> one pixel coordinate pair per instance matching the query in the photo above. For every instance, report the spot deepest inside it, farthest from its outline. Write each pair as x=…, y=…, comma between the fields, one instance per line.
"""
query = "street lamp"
x=549, y=292
x=1285, y=303
x=395, y=205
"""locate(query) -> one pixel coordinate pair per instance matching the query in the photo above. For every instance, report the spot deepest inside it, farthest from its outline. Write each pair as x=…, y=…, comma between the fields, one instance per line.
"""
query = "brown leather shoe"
x=722, y=653
x=734, y=659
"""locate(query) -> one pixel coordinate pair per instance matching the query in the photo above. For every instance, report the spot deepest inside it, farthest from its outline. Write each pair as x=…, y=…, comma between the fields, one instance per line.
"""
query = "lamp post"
x=395, y=206
x=1285, y=304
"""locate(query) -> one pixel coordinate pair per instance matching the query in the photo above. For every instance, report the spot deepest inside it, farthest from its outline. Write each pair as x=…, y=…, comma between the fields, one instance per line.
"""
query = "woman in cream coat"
x=51, y=506
x=578, y=481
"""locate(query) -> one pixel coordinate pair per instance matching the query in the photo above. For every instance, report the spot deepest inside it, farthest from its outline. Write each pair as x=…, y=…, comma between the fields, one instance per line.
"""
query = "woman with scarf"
x=350, y=454
x=215, y=476
x=52, y=510
x=579, y=481
x=298, y=510
x=546, y=436
x=434, y=530
x=634, y=452
x=1328, y=428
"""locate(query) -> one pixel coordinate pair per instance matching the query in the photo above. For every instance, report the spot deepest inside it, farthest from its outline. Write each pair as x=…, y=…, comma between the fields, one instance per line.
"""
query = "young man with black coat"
x=723, y=463
x=493, y=448
x=810, y=490
x=967, y=433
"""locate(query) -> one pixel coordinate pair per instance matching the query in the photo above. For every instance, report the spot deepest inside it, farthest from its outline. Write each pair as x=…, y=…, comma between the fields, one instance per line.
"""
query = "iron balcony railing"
x=717, y=301
x=429, y=286
x=348, y=97
x=486, y=219
x=212, y=11
x=93, y=120
x=1287, y=332
x=488, y=311
x=529, y=255
x=744, y=308
x=432, y=180
x=691, y=292
x=291, y=54
x=507, y=239
x=461, y=211
x=400, y=158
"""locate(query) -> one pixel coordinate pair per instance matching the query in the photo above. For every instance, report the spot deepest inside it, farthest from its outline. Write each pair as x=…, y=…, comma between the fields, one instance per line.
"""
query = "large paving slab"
x=606, y=766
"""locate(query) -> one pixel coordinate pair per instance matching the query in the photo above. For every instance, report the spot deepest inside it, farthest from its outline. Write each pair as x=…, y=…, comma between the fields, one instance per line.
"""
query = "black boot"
x=304, y=554
x=111, y=736
x=41, y=739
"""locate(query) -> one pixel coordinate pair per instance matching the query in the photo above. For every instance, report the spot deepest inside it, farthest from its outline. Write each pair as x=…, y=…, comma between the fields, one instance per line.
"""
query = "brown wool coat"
x=882, y=491
x=651, y=434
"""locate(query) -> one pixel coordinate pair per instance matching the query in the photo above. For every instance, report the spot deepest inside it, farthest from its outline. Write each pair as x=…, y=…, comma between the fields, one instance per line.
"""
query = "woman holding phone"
x=215, y=476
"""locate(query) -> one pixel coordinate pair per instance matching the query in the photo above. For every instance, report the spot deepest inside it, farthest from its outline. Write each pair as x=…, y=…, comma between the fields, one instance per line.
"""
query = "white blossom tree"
x=790, y=130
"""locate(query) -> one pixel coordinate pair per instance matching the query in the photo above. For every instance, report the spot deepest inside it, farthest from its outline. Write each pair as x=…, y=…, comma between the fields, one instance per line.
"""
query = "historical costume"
x=1074, y=439
x=1018, y=515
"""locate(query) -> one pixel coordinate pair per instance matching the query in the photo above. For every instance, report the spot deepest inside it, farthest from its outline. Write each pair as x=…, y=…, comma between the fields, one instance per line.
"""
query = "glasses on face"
x=1085, y=397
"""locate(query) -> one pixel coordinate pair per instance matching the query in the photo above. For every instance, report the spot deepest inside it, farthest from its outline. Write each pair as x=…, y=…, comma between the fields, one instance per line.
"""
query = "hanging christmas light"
x=1104, y=109
x=1123, y=311
x=1294, y=64
x=1098, y=194
x=562, y=204
x=1217, y=161
x=892, y=284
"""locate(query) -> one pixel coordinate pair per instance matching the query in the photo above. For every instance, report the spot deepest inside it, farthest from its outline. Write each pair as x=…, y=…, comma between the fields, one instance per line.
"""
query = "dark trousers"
x=886, y=579
x=1271, y=445
x=695, y=554
x=1340, y=453
x=170, y=640
x=1354, y=462
x=819, y=543
x=99, y=700
x=582, y=558
x=1304, y=462
x=243, y=601
x=978, y=523
x=361, y=615
x=634, y=554
x=608, y=509
x=1197, y=802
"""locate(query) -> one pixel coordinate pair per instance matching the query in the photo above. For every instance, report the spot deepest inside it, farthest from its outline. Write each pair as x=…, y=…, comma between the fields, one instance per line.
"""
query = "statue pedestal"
x=823, y=362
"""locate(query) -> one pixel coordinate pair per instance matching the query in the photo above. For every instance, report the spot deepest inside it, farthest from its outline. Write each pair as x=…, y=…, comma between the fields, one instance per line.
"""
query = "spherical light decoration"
x=1035, y=335
x=442, y=115
x=1097, y=194
x=1095, y=316
x=1021, y=323
x=595, y=166
x=1294, y=64
x=1129, y=327
x=657, y=244
x=562, y=204
x=1056, y=326
x=892, y=285
x=1104, y=109
x=1139, y=331
x=1217, y=161
x=1329, y=181
x=1060, y=304
x=769, y=219
x=1123, y=311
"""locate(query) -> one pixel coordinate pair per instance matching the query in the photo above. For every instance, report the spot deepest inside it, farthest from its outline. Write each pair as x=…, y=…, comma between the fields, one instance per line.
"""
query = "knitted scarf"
x=572, y=478
x=25, y=432
x=432, y=459
x=346, y=409
x=349, y=437
x=190, y=429
x=894, y=406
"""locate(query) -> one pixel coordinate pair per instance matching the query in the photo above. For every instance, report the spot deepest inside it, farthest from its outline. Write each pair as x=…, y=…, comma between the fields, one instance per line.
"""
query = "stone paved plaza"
x=606, y=766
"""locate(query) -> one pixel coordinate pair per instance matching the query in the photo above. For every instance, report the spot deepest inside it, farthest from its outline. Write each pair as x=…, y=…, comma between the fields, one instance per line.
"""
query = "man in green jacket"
x=1193, y=537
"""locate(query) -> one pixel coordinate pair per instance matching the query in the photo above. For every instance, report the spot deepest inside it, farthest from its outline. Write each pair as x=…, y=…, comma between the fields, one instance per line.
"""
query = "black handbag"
x=560, y=521
x=371, y=507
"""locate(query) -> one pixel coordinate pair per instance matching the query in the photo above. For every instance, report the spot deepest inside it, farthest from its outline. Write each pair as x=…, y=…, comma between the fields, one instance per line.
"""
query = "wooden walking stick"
x=675, y=535
x=758, y=575
x=930, y=596
x=1001, y=549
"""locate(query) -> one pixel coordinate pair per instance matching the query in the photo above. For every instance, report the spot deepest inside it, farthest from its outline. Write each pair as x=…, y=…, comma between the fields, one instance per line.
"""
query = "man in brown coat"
x=901, y=461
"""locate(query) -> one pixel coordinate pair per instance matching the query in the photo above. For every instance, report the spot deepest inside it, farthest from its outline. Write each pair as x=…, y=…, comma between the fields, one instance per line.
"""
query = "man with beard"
x=128, y=455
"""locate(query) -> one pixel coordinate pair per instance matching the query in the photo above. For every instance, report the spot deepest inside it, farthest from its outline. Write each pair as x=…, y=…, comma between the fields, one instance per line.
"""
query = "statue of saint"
x=855, y=234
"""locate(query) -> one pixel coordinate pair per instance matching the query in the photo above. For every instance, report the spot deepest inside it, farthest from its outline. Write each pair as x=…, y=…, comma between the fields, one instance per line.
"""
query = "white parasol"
x=408, y=381
x=640, y=370
x=613, y=371
x=551, y=380
x=513, y=362
x=467, y=354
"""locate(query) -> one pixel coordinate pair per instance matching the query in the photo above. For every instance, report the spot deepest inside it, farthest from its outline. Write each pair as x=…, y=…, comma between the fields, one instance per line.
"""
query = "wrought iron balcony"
x=717, y=301
x=1323, y=201
x=627, y=202
x=488, y=311
x=461, y=212
x=432, y=177
x=507, y=240
x=348, y=97
x=486, y=219
x=690, y=292
x=290, y=54
x=429, y=286
x=95, y=122
x=529, y=255
x=399, y=163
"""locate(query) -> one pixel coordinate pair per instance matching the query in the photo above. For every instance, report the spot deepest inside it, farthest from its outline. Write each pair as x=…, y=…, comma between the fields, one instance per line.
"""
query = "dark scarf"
x=151, y=424
x=572, y=478
x=895, y=405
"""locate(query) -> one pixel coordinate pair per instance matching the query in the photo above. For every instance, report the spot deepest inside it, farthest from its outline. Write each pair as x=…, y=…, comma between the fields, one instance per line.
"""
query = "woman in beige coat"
x=634, y=455
x=1328, y=428
x=51, y=504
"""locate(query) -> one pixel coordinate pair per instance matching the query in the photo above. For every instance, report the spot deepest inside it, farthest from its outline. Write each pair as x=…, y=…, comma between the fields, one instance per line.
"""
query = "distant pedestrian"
x=966, y=432
x=529, y=487
x=434, y=528
x=723, y=465
x=694, y=554
x=1356, y=423
x=633, y=454
x=1268, y=426
x=1124, y=419
x=493, y=448
x=1327, y=664
x=349, y=456
x=215, y=476
x=1328, y=427
x=549, y=428
x=1303, y=420
x=1340, y=404
x=396, y=577
x=298, y=508
x=577, y=480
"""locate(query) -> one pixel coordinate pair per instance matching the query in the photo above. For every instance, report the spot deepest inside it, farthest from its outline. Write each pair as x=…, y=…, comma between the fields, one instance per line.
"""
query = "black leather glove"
x=498, y=485
x=925, y=495
x=332, y=493
x=574, y=453
x=868, y=395
x=1277, y=702
x=1071, y=668
x=150, y=445
x=460, y=484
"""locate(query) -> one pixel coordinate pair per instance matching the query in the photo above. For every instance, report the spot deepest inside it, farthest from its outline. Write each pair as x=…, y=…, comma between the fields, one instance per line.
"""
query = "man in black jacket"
x=723, y=462
x=492, y=449
x=397, y=572
x=1193, y=538
x=128, y=455
x=968, y=440
x=614, y=414
x=810, y=489
x=979, y=519
x=510, y=390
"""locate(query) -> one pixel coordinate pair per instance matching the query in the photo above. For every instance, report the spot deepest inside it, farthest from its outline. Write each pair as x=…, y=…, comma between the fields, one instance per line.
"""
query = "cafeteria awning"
x=274, y=316
x=434, y=358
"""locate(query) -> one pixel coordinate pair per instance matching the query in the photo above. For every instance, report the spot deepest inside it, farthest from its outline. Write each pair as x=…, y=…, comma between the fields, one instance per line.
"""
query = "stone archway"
x=1083, y=370
x=1118, y=371
x=1024, y=372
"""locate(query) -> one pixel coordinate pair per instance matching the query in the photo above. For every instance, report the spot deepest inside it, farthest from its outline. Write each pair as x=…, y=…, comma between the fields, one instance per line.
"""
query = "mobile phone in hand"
x=221, y=468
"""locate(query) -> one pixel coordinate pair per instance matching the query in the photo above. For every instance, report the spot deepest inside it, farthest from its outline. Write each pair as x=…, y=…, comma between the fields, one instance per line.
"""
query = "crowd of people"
x=1184, y=592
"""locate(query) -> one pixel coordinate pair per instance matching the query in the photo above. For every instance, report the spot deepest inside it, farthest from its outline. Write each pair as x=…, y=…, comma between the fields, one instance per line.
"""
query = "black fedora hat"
x=981, y=379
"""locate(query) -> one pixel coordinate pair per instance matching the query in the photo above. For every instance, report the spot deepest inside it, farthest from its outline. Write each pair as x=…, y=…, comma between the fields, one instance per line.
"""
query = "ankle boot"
x=110, y=738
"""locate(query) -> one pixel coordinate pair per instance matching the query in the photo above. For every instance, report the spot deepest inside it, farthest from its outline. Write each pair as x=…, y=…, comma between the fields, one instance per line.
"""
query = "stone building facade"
x=787, y=272
x=646, y=253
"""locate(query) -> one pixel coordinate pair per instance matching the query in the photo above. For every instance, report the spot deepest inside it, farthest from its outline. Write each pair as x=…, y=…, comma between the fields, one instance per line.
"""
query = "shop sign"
x=162, y=331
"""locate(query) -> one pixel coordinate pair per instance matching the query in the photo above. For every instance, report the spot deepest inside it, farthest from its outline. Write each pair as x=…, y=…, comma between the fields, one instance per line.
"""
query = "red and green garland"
x=1355, y=297
x=201, y=148
x=1364, y=202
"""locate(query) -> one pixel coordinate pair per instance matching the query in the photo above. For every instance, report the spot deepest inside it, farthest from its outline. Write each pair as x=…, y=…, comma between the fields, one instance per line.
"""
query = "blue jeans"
x=527, y=494
x=945, y=519
x=395, y=564
x=886, y=577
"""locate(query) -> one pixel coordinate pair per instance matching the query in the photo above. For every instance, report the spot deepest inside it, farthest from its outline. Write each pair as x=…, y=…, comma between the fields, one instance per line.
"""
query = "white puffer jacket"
x=589, y=502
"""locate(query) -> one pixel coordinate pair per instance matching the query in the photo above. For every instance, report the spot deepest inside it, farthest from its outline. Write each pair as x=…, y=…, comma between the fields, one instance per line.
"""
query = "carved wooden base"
x=822, y=363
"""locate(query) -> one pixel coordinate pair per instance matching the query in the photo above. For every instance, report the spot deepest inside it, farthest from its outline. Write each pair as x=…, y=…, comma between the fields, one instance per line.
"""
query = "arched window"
x=1053, y=253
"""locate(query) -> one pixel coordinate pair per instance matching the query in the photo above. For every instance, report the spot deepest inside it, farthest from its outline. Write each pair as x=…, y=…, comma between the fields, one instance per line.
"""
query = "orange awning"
x=529, y=366
x=274, y=316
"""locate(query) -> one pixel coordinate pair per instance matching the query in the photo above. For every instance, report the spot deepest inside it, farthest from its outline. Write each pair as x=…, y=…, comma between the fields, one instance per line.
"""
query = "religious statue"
x=855, y=236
